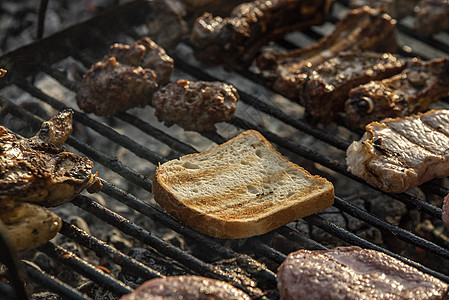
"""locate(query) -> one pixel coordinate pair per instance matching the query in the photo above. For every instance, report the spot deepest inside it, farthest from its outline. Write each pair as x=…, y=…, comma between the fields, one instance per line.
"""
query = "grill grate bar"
x=160, y=245
x=53, y=283
x=355, y=240
x=81, y=266
x=103, y=249
x=269, y=252
x=305, y=242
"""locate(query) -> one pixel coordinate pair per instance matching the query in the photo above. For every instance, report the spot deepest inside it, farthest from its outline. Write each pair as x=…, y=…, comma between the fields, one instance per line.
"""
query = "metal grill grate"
x=41, y=58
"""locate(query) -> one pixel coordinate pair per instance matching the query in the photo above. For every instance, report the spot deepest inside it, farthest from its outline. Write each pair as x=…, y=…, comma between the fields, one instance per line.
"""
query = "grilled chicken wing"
x=36, y=170
x=28, y=225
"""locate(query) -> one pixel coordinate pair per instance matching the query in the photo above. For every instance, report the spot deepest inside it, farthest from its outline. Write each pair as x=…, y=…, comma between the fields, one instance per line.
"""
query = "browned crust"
x=242, y=228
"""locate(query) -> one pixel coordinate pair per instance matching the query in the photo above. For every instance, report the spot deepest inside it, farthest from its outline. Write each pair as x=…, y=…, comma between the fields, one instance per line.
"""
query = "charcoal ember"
x=116, y=238
x=155, y=261
x=251, y=25
x=97, y=291
x=45, y=296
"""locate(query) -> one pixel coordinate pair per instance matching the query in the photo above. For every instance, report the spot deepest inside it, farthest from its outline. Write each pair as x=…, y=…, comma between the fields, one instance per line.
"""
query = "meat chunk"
x=353, y=273
x=166, y=25
x=146, y=54
x=363, y=29
x=251, y=25
x=327, y=86
x=398, y=154
x=28, y=225
x=432, y=16
x=36, y=170
x=186, y=287
x=395, y=8
x=445, y=213
x=413, y=90
x=195, y=106
x=110, y=87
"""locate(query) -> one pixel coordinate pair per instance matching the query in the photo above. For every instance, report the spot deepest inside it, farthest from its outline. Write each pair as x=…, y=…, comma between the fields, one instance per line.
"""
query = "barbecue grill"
x=249, y=264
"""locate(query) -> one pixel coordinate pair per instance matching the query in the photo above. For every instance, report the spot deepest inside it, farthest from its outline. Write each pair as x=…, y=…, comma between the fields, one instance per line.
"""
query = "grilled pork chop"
x=28, y=225
x=398, y=154
x=364, y=29
x=251, y=25
x=353, y=273
x=327, y=87
x=412, y=91
x=195, y=105
x=37, y=170
x=186, y=287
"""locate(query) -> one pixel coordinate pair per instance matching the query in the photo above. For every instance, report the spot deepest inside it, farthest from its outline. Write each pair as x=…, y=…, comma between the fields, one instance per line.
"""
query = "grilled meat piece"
x=166, y=25
x=409, y=92
x=250, y=26
x=364, y=29
x=146, y=54
x=327, y=87
x=110, y=87
x=195, y=106
x=398, y=154
x=445, y=213
x=36, y=170
x=353, y=273
x=186, y=287
x=395, y=8
x=28, y=225
x=432, y=16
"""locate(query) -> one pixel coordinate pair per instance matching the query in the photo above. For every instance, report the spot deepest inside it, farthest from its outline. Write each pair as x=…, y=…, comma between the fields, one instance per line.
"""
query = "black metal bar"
x=102, y=249
x=266, y=251
x=160, y=245
x=355, y=240
x=77, y=264
x=53, y=283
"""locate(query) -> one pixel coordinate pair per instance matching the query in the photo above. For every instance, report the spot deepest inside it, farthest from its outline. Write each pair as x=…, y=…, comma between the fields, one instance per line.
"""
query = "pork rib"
x=411, y=91
x=326, y=88
x=364, y=29
x=251, y=25
x=398, y=154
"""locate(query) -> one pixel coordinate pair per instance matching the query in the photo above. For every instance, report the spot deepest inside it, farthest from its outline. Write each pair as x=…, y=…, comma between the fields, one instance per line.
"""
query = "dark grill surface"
x=126, y=170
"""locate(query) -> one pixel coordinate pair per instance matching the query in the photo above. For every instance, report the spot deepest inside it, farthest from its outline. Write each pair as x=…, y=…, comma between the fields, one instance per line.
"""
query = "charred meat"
x=411, y=91
x=36, y=170
x=28, y=225
x=187, y=287
x=395, y=8
x=195, y=106
x=110, y=87
x=398, y=154
x=432, y=16
x=353, y=273
x=327, y=87
x=167, y=25
x=445, y=213
x=251, y=25
x=364, y=29
x=146, y=54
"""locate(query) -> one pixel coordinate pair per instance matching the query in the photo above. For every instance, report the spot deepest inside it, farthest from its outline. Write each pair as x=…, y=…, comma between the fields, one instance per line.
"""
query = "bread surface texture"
x=241, y=188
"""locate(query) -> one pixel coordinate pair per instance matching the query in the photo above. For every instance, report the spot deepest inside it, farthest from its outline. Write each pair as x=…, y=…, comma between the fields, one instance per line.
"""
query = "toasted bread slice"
x=239, y=189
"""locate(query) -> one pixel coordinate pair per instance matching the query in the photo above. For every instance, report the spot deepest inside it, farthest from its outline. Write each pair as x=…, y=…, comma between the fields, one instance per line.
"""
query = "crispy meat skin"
x=110, y=87
x=251, y=25
x=398, y=154
x=432, y=16
x=28, y=225
x=327, y=86
x=409, y=92
x=195, y=106
x=360, y=29
x=146, y=54
x=353, y=273
x=395, y=8
x=35, y=170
